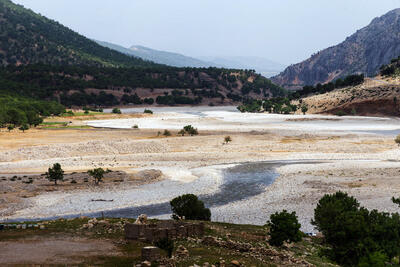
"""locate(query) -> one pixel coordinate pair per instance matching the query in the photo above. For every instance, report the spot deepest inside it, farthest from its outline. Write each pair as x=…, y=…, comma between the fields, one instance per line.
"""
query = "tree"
x=397, y=140
x=10, y=128
x=55, y=174
x=304, y=109
x=189, y=207
x=97, y=174
x=227, y=139
x=116, y=111
x=284, y=226
x=24, y=127
x=167, y=133
x=190, y=130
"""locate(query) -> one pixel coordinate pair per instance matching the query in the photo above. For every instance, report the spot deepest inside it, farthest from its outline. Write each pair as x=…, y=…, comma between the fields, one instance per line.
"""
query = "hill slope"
x=363, y=52
x=27, y=38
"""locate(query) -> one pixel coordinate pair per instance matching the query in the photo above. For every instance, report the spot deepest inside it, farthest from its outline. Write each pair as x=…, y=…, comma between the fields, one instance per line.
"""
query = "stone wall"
x=163, y=229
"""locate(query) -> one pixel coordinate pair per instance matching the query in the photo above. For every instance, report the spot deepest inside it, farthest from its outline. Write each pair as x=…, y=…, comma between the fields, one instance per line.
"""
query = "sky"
x=285, y=31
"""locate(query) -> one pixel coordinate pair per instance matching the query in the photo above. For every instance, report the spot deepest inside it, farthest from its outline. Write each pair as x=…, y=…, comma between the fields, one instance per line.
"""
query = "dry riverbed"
x=346, y=158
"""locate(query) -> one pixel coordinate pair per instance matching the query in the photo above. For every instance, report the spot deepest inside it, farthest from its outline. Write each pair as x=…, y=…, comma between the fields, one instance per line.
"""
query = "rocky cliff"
x=363, y=52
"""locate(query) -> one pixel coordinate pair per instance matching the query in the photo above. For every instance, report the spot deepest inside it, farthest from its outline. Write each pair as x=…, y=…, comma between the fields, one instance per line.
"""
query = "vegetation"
x=391, y=69
x=116, y=111
x=357, y=236
x=189, y=85
x=397, y=140
x=284, y=226
x=97, y=174
x=27, y=38
x=189, y=207
x=55, y=174
x=166, y=133
x=278, y=105
x=189, y=129
x=17, y=111
x=304, y=109
x=24, y=127
x=148, y=111
x=227, y=139
x=351, y=80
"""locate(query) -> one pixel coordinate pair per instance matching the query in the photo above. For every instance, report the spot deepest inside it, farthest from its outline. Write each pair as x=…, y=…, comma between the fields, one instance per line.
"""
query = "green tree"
x=97, y=174
x=284, y=226
x=189, y=207
x=167, y=133
x=55, y=174
x=190, y=130
x=10, y=128
x=304, y=109
x=116, y=111
x=24, y=127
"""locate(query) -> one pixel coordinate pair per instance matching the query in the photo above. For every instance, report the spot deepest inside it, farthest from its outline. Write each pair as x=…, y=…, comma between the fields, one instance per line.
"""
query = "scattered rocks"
x=182, y=252
x=235, y=263
x=150, y=254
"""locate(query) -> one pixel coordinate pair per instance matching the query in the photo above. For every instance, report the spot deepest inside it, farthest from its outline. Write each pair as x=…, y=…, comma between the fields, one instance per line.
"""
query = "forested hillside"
x=87, y=85
x=28, y=38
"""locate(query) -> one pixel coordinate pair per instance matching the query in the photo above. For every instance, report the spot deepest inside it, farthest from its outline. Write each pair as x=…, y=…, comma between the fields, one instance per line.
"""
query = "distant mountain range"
x=363, y=52
x=28, y=38
x=264, y=66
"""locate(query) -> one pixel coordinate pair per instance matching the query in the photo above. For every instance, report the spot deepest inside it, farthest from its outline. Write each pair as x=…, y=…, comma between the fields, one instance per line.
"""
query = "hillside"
x=28, y=38
x=161, y=57
x=83, y=85
x=363, y=52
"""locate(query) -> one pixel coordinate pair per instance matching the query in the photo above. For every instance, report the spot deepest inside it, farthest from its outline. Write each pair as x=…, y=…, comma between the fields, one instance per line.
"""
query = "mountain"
x=161, y=57
x=264, y=66
x=28, y=38
x=363, y=52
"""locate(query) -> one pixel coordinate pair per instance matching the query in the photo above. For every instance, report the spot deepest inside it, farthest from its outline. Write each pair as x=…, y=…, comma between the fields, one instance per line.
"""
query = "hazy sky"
x=286, y=31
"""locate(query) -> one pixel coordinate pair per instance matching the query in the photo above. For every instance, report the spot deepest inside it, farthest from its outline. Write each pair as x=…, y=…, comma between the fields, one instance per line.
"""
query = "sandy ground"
x=363, y=164
x=53, y=250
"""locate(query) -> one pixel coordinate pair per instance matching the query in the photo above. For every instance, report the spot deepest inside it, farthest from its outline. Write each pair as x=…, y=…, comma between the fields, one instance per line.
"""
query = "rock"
x=142, y=219
x=222, y=263
x=235, y=263
x=206, y=264
x=146, y=264
x=182, y=252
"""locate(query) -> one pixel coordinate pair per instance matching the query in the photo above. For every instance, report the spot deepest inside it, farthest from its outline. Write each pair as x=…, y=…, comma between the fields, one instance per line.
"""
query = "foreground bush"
x=189, y=207
x=356, y=236
x=284, y=227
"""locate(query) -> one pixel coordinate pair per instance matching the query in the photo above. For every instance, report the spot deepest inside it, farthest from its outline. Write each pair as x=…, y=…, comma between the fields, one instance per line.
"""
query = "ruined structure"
x=163, y=229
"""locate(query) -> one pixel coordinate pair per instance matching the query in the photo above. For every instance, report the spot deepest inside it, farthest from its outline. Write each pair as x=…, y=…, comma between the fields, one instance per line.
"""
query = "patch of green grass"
x=76, y=114
x=54, y=123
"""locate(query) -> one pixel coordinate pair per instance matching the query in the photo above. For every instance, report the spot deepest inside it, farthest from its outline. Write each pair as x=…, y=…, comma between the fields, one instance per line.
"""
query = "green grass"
x=76, y=114
x=67, y=127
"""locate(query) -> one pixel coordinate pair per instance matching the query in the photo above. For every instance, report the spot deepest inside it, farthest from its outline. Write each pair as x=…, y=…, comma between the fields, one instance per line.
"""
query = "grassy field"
x=127, y=253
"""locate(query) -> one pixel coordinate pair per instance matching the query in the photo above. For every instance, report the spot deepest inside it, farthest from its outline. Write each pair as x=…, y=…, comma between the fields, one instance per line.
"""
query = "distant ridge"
x=363, y=52
x=161, y=57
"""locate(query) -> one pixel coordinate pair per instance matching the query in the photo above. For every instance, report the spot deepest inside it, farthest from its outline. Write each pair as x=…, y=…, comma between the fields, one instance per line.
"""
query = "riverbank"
x=347, y=153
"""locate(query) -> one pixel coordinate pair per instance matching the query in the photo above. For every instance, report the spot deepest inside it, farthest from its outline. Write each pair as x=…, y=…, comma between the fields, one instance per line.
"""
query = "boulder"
x=142, y=219
x=235, y=263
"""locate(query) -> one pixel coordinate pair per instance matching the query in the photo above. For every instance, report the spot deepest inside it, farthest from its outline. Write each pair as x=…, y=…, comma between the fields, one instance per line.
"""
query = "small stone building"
x=163, y=229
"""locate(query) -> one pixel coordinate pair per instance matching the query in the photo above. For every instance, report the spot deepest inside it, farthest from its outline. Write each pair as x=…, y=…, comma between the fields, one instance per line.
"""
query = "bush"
x=284, y=227
x=97, y=174
x=190, y=130
x=116, y=111
x=397, y=140
x=227, y=139
x=189, y=207
x=148, y=111
x=167, y=133
x=55, y=174
x=165, y=244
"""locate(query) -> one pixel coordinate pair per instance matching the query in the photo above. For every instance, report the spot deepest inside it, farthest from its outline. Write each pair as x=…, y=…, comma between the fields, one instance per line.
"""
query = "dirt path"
x=54, y=250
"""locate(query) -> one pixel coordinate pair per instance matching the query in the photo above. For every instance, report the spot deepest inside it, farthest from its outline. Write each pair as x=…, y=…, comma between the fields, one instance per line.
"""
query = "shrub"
x=167, y=133
x=135, y=126
x=189, y=207
x=148, y=111
x=24, y=127
x=116, y=111
x=304, y=109
x=227, y=139
x=165, y=244
x=97, y=174
x=284, y=227
x=190, y=130
x=397, y=140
